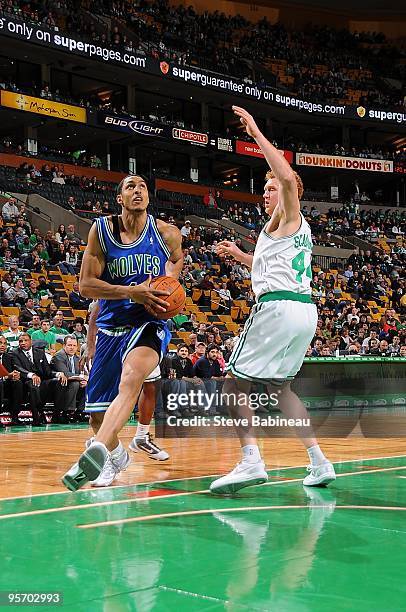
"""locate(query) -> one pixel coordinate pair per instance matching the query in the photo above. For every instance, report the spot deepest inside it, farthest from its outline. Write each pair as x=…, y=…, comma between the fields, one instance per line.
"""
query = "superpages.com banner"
x=38, y=34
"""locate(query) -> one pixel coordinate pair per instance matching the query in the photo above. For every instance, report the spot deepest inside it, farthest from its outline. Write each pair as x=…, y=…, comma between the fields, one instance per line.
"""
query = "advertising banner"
x=251, y=148
x=188, y=75
x=344, y=163
x=196, y=138
x=134, y=126
x=49, y=108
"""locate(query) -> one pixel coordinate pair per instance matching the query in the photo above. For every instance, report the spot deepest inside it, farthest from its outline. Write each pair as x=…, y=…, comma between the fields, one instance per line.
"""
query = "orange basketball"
x=176, y=299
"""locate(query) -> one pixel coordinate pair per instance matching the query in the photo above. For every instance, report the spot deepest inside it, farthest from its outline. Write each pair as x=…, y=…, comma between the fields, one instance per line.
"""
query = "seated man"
x=11, y=387
x=181, y=378
x=208, y=369
x=70, y=395
x=37, y=376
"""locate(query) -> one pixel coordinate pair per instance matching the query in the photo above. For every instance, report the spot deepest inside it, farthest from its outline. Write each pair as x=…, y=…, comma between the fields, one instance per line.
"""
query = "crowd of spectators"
x=350, y=301
x=24, y=250
x=234, y=46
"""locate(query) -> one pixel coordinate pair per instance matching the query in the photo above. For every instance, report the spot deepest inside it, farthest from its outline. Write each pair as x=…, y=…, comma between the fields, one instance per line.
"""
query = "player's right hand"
x=149, y=297
x=226, y=247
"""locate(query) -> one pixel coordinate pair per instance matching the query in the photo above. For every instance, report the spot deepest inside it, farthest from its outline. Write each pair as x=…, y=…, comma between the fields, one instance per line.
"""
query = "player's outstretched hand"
x=150, y=298
x=227, y=248
x=247, y=120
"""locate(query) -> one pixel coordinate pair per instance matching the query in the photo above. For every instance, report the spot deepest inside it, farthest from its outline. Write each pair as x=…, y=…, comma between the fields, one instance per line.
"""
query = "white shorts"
x=274, y=341
x=155, y=375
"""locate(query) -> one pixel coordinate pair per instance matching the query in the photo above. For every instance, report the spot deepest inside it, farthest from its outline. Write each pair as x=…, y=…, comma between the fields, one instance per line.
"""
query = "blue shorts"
x=112, y=347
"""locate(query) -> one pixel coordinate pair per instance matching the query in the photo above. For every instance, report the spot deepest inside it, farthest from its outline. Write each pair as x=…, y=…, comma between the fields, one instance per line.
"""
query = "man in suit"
x=70, y=395
x=36, y=375
x=11, y=387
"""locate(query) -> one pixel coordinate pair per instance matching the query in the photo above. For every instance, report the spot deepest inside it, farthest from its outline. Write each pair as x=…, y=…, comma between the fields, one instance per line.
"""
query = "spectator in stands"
x=33, y=292
x=373, y=335
x=69, y=397
x=182, y=376
x=33, y=262
x=76, y=300
x=59, y=258
x=35, y=324
x=44, y=335
x=61, y=233
x=225, y=298
x=11, y=387
x=73, y=235
x=373, y=347
x=185, y=230
x=208, y=369
x=43, y=253
x=36, y=375
x=13, y=333
x=71, y=260
x=51, y=310
x=59, y=178
x=10, y=210
x=394, y=347
x=199, y=351
x=8, y=261
x=28, y=312
x=71, y=203
x=16, y=294
x=58, y=328
x=24, y=247
x=317, y=348
x=45, y=288
x=79, y=331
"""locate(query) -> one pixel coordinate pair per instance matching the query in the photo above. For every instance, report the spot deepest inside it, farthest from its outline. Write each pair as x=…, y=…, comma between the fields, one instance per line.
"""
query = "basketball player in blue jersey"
x=123, y=253
x=142, y=441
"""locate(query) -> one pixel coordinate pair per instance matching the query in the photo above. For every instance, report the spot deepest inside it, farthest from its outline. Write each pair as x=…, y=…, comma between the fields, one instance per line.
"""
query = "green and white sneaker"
x=244, y=474
x=320, y=475
x=88, y=468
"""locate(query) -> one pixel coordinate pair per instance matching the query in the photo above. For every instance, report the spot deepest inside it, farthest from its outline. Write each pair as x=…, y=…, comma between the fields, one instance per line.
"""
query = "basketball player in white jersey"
x=282, y=323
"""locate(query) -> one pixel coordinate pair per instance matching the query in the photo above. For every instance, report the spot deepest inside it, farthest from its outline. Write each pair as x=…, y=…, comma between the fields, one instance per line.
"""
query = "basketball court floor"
x=158, y=540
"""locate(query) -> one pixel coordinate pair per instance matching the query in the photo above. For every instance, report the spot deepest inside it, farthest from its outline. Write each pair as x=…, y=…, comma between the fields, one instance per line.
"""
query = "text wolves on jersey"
x=139, y=263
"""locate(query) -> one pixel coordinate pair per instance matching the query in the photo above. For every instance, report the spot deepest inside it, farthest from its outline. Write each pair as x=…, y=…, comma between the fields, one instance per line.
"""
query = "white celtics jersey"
x=283, y=264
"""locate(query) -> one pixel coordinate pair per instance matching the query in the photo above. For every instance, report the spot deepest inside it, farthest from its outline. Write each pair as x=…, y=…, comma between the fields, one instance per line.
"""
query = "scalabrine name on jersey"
x=302, y=241
x=133, y=265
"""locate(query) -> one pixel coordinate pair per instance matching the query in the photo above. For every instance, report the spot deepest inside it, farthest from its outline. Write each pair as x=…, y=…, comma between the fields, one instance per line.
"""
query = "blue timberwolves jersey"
x=129, y=264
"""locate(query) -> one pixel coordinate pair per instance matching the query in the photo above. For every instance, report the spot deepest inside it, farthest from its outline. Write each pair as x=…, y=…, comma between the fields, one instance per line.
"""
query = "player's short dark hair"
x=121, y=183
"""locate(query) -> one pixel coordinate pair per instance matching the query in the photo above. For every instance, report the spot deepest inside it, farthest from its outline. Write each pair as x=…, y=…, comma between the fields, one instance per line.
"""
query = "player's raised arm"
x=289, y=200
x=92, y=286
x=173, y=240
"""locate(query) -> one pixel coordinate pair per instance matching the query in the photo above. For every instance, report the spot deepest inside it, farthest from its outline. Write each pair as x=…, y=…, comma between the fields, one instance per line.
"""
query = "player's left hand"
x=248, y=121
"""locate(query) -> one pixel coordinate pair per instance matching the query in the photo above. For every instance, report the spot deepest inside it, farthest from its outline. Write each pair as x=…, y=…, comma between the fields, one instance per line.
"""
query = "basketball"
x=176, y=299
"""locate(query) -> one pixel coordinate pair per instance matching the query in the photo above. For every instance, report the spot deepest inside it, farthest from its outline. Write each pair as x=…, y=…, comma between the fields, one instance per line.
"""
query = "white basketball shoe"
x=320, y=475
x=116, y=462
x=244, y=474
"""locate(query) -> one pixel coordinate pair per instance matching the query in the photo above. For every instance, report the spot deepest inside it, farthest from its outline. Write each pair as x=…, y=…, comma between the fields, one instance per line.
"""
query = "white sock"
x=119, y=450
x=142, y=430
x=251, y=453
x=316, y=455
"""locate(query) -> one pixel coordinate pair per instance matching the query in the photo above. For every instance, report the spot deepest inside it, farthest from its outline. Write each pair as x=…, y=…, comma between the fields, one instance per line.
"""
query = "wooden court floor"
x=33, y=461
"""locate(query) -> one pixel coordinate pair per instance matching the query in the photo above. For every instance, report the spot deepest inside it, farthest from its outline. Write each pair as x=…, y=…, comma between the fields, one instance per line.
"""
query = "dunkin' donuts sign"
x=344, y=163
